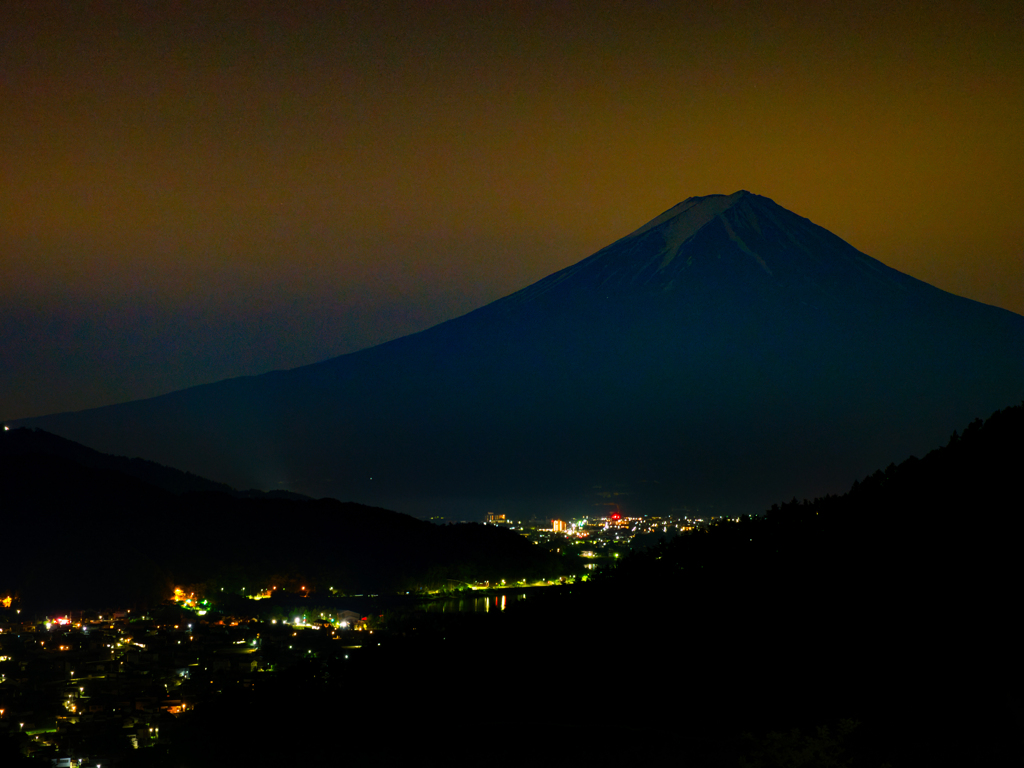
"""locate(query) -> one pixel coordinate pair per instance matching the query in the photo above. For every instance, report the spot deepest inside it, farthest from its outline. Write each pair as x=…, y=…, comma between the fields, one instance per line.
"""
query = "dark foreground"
x=874, y=628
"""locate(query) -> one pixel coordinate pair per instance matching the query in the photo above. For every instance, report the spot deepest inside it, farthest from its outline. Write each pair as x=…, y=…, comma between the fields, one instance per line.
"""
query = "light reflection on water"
x=473, y=604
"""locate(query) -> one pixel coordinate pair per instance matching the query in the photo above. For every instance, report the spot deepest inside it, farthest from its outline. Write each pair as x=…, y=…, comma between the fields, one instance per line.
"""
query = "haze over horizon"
x=725, y=355
x=196, y=192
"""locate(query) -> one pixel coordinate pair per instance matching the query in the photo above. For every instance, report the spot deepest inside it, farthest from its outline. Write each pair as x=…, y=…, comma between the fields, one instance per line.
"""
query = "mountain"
x=886, y=604
x=29, y=442
x=726, y=354
x=86, y=529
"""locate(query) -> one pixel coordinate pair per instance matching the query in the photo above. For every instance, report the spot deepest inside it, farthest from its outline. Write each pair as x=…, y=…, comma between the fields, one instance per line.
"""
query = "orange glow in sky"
x=197, y=191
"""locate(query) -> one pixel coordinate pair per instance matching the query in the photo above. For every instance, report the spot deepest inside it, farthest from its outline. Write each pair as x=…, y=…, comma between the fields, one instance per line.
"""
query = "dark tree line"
x=892, y=604
x=97, y=534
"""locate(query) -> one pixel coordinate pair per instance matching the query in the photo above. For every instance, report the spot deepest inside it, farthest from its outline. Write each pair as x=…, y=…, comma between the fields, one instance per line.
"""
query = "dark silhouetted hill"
x=99, y=533
x=893, y=604
x=21, y=442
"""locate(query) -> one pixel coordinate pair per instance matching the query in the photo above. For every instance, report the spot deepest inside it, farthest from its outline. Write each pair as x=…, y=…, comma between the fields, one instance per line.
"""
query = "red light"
x=616, y=516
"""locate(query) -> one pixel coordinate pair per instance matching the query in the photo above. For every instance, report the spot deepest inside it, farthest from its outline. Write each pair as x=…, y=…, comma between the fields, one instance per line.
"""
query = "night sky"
x=194, y=191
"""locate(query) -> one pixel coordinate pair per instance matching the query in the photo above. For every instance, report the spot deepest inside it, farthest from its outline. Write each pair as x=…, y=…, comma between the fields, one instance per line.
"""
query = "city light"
x=129, y=645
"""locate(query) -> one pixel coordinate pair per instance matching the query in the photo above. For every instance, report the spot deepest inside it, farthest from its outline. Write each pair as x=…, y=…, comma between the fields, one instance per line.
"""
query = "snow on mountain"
x=729, y=352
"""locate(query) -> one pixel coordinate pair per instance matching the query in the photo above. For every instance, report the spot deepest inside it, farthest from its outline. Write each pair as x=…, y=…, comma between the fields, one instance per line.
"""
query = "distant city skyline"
x=199, y=191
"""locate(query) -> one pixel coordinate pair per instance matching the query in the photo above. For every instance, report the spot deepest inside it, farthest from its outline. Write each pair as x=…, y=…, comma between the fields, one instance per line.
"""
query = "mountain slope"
x=24, y=442
x=729, y=352
x=86, y=529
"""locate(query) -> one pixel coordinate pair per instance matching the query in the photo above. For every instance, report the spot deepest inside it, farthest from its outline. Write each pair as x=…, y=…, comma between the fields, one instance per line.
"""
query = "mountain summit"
x=759, y=236
x=726, y=354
